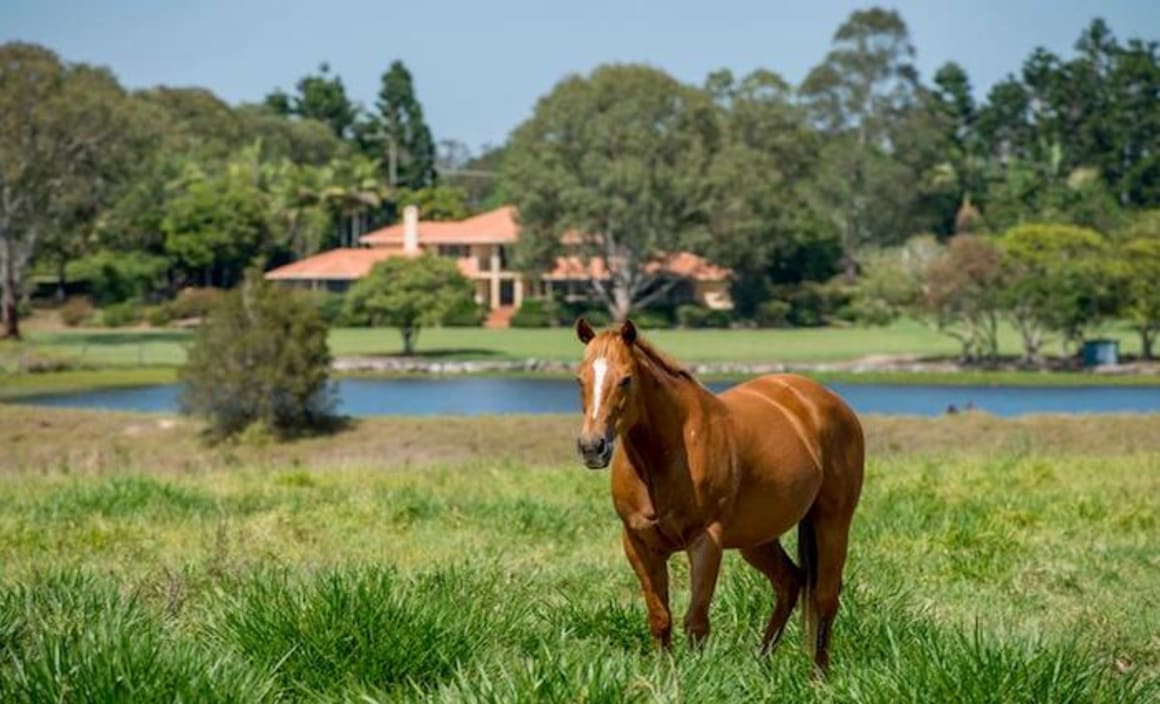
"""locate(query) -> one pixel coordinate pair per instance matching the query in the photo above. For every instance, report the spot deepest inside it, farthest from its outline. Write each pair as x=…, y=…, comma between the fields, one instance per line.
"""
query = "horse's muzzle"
x=596, y=453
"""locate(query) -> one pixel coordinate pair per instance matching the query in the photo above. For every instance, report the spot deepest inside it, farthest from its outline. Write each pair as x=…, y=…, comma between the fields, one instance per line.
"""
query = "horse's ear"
x=584, y=331
x=628, y=332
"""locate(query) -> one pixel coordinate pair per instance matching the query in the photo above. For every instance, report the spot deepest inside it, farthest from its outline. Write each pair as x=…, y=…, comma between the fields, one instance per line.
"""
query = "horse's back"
x=777, y=413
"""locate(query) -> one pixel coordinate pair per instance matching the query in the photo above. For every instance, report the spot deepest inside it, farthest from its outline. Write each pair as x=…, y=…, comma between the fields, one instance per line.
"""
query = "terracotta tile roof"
x=679, y=263
x=493, y=227
x=348, y=264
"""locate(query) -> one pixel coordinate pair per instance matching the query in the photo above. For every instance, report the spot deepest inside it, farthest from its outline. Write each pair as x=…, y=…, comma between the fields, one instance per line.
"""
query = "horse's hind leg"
x=830, y=536
x=785, y=578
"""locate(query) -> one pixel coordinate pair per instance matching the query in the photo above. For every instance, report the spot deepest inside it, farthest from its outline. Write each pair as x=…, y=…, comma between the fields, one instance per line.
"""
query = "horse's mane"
x=660, y=360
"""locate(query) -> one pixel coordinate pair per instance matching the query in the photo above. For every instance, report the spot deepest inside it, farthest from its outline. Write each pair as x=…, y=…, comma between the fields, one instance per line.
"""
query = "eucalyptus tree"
x=618, y=160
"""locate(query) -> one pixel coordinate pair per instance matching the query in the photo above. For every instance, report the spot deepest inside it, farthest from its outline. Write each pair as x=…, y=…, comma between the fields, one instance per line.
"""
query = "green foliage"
x=260, y=356
x=320, y=97
x=217, y=225
x=653, y=319
x=119, y=315
x=394, y=634
x=193, y=302
x=1059, y=281
x=772, y=314
x=893, y=280
x=535, y=313
x=158, y=316
x=468, y=314
x=114, y=277
x=329, y=306
x=813, y=304
x=73, y=637
x=694, y=316
x=629, y=180
x=1137, y=264
x=75, y=311
x=67, y=138
x=435, y=202
x=409, y=293
x=398, y=136
x=962, y=292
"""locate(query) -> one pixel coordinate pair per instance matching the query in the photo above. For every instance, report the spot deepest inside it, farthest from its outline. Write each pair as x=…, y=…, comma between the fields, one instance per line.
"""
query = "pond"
x=500, y=395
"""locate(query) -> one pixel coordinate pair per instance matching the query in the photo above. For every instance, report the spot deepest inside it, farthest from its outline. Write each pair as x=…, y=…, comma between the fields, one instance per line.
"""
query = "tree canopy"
x=409, y=293
x=621, y=160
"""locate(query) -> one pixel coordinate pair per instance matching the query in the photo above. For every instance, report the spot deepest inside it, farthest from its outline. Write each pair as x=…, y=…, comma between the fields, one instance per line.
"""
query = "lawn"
x=166, y=347
x=475, y=560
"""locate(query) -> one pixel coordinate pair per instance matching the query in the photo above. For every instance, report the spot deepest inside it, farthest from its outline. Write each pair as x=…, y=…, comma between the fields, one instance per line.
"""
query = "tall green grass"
x=1009, y=576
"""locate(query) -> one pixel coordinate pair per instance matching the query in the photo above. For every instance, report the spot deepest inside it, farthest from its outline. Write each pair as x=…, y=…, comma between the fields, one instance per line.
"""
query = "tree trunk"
x=1147, y=338
x=410, y=335
x=621, y=302
x=10, y=316
x=9, y=294
x=61, y=281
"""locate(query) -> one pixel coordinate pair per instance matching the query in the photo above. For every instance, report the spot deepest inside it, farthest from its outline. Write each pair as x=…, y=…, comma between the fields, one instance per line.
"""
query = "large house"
x=481, y=246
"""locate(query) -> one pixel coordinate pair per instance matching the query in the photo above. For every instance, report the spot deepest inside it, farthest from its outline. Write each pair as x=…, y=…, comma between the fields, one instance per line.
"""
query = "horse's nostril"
x=601, y=445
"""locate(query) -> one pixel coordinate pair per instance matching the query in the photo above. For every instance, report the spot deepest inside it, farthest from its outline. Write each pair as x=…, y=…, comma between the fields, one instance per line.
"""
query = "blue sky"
x=480, y=66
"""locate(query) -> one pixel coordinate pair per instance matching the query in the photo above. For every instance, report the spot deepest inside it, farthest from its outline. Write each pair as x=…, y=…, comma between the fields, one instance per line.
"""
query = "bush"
x=650, y=319
x=119, y=315
x=772, y=314
x=813, y=304
x=535, y=313
x=194, y=302
x=158, y=316
x=691, y=316
x=114, y=277
x=328, y=305
x=260, y=356
x=596, y=317
x=868, y=312
x=467, y=314
x=75, y=311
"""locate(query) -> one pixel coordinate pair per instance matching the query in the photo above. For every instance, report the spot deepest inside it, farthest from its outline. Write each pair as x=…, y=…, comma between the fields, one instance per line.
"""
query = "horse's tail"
x=807, y=548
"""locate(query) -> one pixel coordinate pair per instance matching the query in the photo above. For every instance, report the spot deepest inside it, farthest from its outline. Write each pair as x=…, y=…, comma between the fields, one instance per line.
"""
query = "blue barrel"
x=1100, y=352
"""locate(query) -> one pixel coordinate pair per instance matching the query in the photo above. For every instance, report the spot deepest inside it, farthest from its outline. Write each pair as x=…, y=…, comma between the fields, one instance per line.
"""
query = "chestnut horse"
x=704, y=473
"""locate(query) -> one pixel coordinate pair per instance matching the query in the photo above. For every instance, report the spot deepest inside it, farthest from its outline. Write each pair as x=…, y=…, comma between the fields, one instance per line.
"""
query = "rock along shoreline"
x=882, y=363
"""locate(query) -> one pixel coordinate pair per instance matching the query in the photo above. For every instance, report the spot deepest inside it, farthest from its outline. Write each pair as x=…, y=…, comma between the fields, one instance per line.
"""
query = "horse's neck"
x=669, y=405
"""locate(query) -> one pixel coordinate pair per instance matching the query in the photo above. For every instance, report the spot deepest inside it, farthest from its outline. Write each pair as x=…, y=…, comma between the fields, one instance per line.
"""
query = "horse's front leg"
x=652, y=569
x=704, y=564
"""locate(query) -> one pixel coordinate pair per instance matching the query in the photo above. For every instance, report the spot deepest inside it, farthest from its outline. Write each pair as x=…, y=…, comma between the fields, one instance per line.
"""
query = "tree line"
x=796, y=186
x=143, y=193
x=807, y=192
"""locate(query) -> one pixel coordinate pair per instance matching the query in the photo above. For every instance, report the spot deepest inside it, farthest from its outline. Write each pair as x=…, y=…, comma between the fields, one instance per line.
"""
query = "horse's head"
x=606, y=390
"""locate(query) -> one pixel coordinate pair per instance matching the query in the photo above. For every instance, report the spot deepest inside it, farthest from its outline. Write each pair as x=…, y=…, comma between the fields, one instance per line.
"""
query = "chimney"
x=411, y=229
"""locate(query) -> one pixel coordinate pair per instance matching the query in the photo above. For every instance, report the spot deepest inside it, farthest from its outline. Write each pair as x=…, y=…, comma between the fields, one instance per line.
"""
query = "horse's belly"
x=768, y=505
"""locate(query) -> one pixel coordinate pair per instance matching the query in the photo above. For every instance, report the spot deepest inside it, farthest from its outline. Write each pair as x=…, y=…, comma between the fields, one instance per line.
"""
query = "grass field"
x=166, y=347
x=474, y=560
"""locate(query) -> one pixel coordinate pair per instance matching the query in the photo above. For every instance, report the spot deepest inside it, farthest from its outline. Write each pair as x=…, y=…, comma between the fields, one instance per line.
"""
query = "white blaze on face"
x=599, y=369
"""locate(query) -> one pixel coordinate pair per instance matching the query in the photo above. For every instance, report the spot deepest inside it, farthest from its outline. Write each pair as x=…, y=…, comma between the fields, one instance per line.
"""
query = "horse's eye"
x=625, y=382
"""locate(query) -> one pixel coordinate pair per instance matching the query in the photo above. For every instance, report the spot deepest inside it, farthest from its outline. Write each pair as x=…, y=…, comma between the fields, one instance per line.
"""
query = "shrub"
x=158, y=316
x=812, y=304
x=596, y=317
x=260, y=357
x=194, y=302
x=119, y=315
x=772, y=314
x=329, y=305
x=691, y=316
x=535, y=313
x=114, y=277
x=468, y=314
x=75, y=311
x=651, y=319
x=409, y=293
